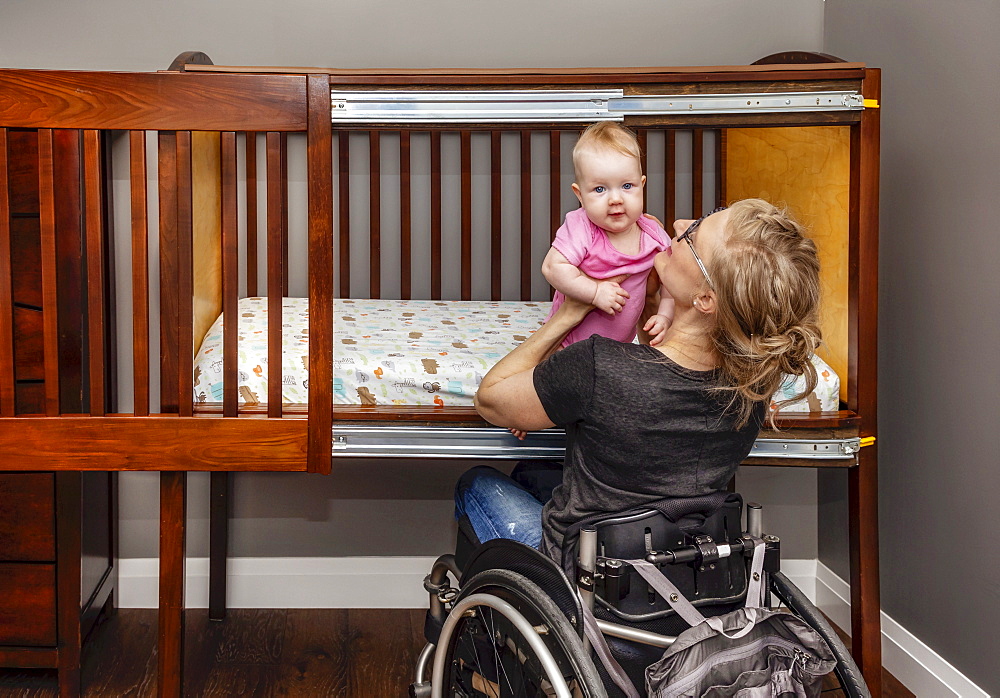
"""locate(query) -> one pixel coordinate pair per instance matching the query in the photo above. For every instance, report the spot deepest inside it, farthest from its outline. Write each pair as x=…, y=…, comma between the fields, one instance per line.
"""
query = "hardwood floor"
x=354, y=653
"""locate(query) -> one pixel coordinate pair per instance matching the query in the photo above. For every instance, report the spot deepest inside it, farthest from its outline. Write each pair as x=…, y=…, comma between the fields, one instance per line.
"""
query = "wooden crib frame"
x=197, y=108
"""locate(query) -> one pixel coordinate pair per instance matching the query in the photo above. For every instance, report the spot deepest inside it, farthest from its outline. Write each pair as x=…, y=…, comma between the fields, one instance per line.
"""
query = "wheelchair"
x=514, y=626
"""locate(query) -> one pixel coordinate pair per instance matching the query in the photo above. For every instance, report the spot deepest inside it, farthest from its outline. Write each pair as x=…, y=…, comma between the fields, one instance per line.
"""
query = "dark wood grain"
x=22, y=173
x=435, y=258
x=170, y=619
x=153, y=443
x=344, y=211
x=555, y=182
x=185, y=275
x=320, y=176
x=251, y=212
x=50, y=260
x=69, y=532
x=275, y=271
x=405, y=217
x=27, y=517
x=29, y=351
x=25, y=279
x=169, y=318
x=140, y=272
x=670, y=178
x=374, y=214
x=697, y=173
x=94, y=232
x=863, y=385
x=496, y=231
x=27, y=604
x=151, y=101
x=465, y=253
x=230, y=276
x=6, y=287
x=525, y=207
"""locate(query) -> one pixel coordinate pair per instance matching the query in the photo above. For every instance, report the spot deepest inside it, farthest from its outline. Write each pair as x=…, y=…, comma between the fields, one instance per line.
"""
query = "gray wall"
x=939, y=327
x=358, y=510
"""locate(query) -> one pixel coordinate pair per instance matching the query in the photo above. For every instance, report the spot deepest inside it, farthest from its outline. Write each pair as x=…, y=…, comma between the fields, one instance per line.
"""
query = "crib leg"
x=218, y=551
x=173, y=527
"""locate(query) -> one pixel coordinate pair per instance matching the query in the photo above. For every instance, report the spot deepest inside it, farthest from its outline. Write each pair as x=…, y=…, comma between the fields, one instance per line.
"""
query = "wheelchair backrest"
x=625, y=594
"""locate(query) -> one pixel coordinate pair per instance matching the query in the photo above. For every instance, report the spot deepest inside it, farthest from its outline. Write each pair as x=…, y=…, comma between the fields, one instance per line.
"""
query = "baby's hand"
x=656, y=327
x=610, y=297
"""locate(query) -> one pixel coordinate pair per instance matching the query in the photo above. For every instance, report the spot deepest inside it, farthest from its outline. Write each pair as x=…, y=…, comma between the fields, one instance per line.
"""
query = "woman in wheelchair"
x=644, y=426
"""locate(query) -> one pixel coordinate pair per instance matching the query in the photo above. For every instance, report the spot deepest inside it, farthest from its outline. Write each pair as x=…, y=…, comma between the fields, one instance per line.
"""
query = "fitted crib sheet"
x=401, y=352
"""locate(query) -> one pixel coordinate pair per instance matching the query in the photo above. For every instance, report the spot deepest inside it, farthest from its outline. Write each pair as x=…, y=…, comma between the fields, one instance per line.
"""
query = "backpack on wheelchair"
x=643, y=581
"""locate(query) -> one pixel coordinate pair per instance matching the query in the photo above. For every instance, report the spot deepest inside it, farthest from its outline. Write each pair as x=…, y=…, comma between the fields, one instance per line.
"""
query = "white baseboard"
x=917, y=666
x=288, y=582
x=396, y=582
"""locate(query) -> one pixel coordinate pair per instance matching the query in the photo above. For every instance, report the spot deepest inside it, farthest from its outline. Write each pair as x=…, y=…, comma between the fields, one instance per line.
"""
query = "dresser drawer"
x=27, y=517
x=27, y=604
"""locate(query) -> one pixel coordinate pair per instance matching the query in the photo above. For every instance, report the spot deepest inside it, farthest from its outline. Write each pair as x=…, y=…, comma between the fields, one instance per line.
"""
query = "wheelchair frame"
x=466, y=601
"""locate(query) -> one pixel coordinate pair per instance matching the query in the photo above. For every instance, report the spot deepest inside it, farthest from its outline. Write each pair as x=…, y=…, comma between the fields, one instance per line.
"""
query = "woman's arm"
x=507, y=395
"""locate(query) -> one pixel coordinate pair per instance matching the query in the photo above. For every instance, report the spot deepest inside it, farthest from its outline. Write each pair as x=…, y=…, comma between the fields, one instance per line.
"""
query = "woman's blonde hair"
x=605, y=134
x=766, y=278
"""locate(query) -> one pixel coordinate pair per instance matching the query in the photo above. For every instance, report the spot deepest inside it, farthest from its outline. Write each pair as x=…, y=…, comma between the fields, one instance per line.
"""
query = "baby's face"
x=609, y=187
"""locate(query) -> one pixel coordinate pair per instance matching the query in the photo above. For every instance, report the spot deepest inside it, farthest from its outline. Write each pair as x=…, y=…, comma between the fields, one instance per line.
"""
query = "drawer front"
x=27, y=517
x=27, y=604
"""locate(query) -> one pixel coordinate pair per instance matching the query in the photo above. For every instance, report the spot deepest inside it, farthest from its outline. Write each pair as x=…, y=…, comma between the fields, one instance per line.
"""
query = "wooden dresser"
x=58, y=548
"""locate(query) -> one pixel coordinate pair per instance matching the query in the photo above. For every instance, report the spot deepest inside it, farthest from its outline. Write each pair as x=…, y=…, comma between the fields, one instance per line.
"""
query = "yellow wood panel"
x=807, y=170
x=206, y=183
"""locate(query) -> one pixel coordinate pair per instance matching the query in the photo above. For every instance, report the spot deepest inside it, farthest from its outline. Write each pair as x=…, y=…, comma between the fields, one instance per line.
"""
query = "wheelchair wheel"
x=505, y=637
x=846, y=671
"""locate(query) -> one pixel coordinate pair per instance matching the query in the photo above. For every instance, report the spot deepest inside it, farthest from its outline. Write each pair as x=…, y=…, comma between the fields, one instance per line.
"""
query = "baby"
x=606, y=238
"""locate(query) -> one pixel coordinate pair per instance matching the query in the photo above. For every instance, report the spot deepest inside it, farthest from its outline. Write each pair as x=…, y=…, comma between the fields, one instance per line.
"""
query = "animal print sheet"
x=386, y=352
x=392, y=352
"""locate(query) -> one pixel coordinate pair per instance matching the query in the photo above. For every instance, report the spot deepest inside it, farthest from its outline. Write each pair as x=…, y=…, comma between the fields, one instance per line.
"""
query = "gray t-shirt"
x=639, y=428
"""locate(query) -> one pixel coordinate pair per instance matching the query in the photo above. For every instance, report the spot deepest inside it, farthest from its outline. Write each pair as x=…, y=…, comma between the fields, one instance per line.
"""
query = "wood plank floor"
x=355, y=653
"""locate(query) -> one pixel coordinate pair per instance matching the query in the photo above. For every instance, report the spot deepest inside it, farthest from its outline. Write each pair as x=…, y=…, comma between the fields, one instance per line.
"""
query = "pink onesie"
x=588, y=248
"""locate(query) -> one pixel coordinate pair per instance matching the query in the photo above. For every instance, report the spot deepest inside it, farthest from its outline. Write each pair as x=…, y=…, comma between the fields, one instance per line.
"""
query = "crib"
x=246, y=189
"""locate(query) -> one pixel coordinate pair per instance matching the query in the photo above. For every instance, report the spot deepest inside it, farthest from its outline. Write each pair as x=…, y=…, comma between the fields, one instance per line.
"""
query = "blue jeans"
x=498, y=506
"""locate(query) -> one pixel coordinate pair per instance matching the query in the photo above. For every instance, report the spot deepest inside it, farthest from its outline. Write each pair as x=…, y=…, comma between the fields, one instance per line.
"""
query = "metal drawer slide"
x=379, y=441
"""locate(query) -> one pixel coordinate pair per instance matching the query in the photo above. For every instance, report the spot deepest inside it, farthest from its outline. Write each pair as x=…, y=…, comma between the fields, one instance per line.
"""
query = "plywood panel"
x=807, y=170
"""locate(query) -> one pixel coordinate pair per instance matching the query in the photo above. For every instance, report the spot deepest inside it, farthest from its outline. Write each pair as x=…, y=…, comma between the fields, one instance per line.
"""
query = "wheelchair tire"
x=847, y=672
x=486, y=652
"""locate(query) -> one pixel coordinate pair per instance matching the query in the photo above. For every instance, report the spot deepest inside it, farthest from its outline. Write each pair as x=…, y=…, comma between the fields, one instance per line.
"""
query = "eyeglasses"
x=686, y=237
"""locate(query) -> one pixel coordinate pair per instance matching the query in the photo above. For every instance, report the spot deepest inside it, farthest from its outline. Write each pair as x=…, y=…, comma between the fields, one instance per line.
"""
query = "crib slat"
x=405, y=212
x=466, y=140
x=670, y=181
x=7, y=396
x=435, y=215
x=697, y=173
x=525, y=215
x=320, y=177
x=167, y=192
x=720, y=167
x=275, y=272
x=230, y=277
x=642, y=135
x=374, y=214
x=93, y=224
x=50, y=298
x=283, y=160
x=251, y=199
x=496, y=263
x=344, y=201
x=555, y=183
x=140, y=273
x=185, y=279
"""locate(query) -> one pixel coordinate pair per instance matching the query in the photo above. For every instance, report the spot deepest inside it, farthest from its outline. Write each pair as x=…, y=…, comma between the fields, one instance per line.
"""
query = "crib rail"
x=177, y=135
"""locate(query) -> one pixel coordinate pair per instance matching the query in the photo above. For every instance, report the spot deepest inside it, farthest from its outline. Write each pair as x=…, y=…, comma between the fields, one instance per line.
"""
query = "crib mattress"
x=401, y=352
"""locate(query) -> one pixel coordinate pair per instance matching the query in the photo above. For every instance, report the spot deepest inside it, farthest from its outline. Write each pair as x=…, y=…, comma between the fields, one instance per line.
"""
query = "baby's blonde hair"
x=605, y=134
x=766, y=278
